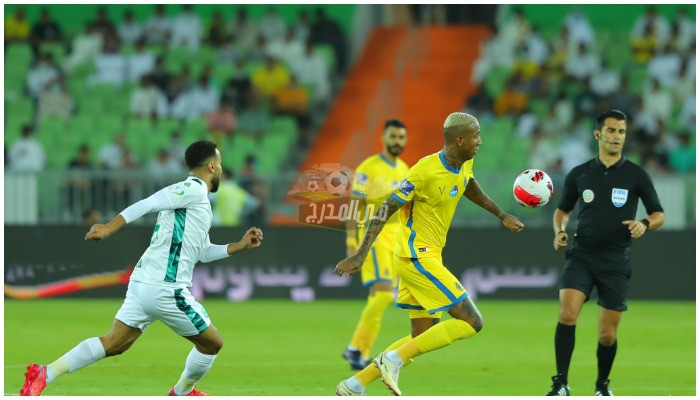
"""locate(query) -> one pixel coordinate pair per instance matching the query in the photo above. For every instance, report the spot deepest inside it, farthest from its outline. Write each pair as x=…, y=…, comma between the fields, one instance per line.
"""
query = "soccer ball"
x=533, y=188
x=337, y=183
x=313, y=186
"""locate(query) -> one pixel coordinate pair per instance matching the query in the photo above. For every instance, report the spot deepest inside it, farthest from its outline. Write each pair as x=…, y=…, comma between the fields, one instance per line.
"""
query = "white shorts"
x=175, y=307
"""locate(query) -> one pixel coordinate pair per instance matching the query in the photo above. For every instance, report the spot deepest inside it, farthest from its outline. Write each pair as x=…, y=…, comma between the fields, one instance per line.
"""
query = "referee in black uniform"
x=608, y=188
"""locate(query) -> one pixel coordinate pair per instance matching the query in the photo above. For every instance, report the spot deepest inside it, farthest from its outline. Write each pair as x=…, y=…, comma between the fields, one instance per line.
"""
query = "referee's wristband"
x=646, y=222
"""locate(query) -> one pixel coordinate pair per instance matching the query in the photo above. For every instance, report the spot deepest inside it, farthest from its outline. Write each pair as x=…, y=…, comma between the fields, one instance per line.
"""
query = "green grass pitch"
x=280, y=348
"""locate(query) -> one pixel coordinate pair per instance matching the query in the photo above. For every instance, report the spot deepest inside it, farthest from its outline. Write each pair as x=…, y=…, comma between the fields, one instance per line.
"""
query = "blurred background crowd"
x=101, y=101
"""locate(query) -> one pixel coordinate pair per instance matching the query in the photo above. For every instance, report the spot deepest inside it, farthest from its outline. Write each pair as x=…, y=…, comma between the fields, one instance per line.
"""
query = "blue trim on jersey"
x=358, y=193
x=386, y=160
x=408, y=306
x=433, y=279
x=411, y=238
x=199, y=323
x=446, y=165
x=448, y=307
x=370, y=283
x=399, y=199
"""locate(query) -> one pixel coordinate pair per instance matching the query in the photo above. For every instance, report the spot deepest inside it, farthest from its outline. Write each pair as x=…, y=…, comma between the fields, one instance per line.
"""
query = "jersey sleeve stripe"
x=399, y=199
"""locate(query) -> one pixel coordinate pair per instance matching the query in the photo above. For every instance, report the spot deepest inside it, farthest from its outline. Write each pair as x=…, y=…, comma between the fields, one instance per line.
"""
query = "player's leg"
x=378, y=274
x=128, y=325
x=608, y=322
x=184, y=315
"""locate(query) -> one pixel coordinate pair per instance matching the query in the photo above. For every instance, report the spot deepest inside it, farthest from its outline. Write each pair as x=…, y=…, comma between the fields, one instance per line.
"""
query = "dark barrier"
x=298, y=263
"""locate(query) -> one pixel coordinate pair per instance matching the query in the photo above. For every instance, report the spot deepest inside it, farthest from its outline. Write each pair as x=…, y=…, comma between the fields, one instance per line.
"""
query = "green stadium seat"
x=19, y=112
x=495, y=81
x=18, y=54
x=58, y=50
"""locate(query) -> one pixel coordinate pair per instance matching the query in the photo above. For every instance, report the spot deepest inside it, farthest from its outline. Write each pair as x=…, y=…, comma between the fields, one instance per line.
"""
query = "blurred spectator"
x=117, y=155
x=585, y=101
x=238, y=89
x=326, y=31
x=606, y=81
x=287, y=49
x=252, y=183
x=582, y=64
x=543, y=152
x=160, y=76
x=181, y=103
x=497, y=52
x=658, y=100
x=243, y=29
x=139, y=63
x=222, y=120
x=230, y=51
x=573, y=151
x=46, y=29
x=665, y=66
x=658, y=24
x=563, y=111
x=643, y=46
x=258, y=52
x=110, y=64
x=147, y=101
x=526, y=123
x=103, y=25
x=82, y=160
x=91, y=216
x=686, y=29
x=79, y=187
x=42, y=75
x=537, y=49
x=311, y=70
x=26, y=153
x=294, y=100
x=16, y=26
x=205, y=96
x=255, y=119
x=623, y=99
x=302, y=28
x=85, y=48
x=56, y=101
x=510, y=100
x=186, y=29
x=689, y=110
x=157, y=30
x=232, y=203
x=163, y=168
x=271, y=26
x=217, y=34
x=129, y=30
x=580, y=29
x=271, y=77
x=682, y=158
x=551, y=125
x=480, y=103
x=177, y=148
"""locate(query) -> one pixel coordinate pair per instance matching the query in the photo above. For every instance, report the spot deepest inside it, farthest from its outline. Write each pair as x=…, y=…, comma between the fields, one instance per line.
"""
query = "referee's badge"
x=588, y=195
x=619, y=197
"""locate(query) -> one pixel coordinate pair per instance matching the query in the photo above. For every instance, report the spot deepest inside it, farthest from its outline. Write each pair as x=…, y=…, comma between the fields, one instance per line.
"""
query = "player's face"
x=612, y=136
x=471, y=140
x=394, y=140
x=217, y=172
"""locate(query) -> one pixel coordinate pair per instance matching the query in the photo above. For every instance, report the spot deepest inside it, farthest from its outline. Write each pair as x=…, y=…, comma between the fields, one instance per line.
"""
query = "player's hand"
x=349, y=266
x=560, y=240
x=512, y=223
x=252, y=238
x=637, y=228
x=98, y=232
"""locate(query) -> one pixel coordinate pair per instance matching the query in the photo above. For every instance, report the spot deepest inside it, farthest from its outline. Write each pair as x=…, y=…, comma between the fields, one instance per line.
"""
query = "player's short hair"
x=612, y=113
x=458, y=119
x=198, y=153
x=395, y=123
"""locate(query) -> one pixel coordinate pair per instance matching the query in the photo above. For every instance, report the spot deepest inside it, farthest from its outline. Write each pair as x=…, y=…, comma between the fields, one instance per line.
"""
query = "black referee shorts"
x=608, y=271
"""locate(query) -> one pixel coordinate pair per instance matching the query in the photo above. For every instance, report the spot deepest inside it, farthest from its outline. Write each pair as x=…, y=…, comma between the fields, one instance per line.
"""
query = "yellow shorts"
x=427, y=287
x=379, y=267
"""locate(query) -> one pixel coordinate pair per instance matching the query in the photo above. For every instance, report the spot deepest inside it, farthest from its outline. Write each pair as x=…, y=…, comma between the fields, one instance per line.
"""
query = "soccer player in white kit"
x=158, y=288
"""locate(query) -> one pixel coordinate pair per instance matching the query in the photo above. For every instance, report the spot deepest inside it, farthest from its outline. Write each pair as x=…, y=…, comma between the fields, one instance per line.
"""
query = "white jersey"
x=180, y=237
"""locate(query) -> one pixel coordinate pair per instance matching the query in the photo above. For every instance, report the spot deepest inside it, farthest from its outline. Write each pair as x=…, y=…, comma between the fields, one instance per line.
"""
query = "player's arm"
x=375, y=225
x=211, y=252
x=360, y=184
x=651, y=202
x=559, y=223
x=477, y=196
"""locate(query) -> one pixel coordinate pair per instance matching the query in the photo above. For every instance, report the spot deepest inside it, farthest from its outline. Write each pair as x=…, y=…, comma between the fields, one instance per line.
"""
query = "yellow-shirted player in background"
x=374, y=180
x=427, y=199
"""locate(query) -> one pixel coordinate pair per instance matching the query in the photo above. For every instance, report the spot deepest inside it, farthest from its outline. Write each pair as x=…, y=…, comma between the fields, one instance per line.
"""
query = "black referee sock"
x=564, y=340
x=606, y=356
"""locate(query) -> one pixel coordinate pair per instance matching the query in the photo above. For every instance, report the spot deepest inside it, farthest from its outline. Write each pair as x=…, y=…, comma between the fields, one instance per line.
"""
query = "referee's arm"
x=559, y=222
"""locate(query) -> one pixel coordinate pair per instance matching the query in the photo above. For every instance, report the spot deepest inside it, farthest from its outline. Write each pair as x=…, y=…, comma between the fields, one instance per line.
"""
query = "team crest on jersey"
x=178, y=190
x=454, y=191
x=588, y=195
x=619, y=197
x=406, y=187
x=361, y=179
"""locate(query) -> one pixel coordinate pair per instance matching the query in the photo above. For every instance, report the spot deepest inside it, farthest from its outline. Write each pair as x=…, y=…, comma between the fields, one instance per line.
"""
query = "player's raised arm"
x=353, y=263
x=477, y=196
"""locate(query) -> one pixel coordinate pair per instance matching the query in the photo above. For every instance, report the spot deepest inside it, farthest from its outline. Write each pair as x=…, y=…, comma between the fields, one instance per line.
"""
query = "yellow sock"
x=371, y=321
x=370, y=373
x=438, y=336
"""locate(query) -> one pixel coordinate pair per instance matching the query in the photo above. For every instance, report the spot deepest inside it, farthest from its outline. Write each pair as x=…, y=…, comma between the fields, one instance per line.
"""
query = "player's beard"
x=215, y=183
x=394, y=150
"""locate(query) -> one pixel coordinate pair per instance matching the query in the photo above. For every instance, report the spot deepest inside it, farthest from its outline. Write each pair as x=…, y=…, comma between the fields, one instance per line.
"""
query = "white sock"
x=352, y=348
x=354, y=385
x=196, y=366
x=394, y=356
x=89, y=351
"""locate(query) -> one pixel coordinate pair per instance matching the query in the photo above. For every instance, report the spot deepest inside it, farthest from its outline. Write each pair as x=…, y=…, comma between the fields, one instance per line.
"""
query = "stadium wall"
x=298, y=263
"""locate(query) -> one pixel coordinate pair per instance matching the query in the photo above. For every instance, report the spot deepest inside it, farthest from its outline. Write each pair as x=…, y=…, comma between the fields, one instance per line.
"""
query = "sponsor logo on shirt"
x=588, y=195
x=453, y=192
x=619, y=197
x=361, y=179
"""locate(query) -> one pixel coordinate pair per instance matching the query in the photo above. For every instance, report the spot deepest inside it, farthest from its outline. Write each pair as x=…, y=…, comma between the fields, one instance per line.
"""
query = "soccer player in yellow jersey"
x=426, y=200
x=374, y=180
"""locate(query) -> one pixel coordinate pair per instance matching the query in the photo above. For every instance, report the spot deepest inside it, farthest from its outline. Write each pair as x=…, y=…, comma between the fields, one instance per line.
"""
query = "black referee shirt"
x=607, y=197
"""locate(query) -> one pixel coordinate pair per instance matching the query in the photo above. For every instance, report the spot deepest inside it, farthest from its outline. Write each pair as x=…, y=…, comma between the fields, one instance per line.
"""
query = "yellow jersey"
x=430, y=193
x=374, y=180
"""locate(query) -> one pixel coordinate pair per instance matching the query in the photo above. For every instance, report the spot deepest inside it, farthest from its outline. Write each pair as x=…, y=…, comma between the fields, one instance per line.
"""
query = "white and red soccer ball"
x=533, y=188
